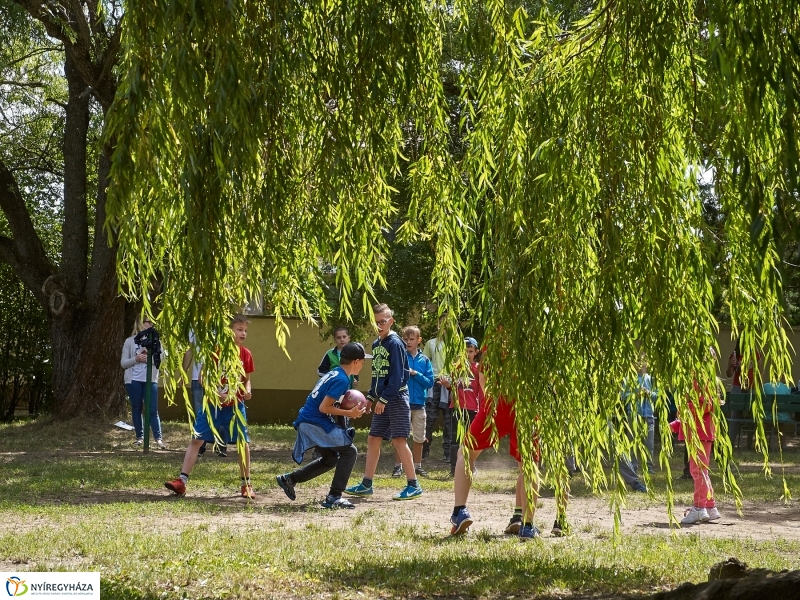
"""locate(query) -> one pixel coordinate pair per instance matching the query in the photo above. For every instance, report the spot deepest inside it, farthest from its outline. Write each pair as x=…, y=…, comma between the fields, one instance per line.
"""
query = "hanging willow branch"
x=256, y=141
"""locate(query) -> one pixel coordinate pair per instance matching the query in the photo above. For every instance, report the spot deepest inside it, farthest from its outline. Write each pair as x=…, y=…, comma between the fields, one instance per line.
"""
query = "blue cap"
x=470, y=341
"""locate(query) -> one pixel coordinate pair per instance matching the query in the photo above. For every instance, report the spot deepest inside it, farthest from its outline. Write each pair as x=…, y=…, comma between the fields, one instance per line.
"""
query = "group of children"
x=398, y=393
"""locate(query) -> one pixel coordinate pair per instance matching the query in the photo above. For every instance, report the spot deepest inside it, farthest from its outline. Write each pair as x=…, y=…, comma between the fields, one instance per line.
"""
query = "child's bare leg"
x=190, y=458
x=404, y=454
x=373, y=454
x=463, y=480
x=529, y=508
x=244, y=462
x=417, y=451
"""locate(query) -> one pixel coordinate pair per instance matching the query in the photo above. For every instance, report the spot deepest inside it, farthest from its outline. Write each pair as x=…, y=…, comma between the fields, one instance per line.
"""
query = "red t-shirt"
x=247, y=362
x=737, y=374
x=470, y=396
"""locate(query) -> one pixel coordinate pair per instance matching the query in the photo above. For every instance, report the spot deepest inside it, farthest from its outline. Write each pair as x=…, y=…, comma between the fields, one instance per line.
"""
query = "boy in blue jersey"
x=317, y=426
x=391, y=420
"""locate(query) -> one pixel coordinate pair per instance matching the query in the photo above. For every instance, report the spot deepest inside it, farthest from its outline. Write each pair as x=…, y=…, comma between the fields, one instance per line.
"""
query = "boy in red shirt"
x=224, y=419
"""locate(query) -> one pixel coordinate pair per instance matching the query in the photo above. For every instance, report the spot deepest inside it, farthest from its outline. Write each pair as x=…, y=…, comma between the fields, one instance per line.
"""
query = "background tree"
x=58, y=81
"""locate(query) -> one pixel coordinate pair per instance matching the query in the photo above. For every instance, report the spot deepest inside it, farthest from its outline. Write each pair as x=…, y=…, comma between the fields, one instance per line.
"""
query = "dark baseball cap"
x=354, y=351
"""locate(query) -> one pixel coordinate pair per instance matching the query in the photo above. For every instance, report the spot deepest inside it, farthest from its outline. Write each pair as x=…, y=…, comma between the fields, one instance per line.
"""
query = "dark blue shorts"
x=395, y=421
x=225, y=422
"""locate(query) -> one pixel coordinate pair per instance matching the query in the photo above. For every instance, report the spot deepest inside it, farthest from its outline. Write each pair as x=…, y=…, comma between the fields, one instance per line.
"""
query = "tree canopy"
x=256, y=140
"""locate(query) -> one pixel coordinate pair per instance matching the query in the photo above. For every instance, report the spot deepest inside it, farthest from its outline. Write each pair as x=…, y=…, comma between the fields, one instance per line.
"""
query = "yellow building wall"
x=281, y=383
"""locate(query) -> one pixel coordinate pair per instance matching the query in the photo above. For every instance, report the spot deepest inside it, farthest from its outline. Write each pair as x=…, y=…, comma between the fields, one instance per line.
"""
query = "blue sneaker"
x=336, y=502
x=529, y=532
x=461, y=522
x=639, y=487
x=408, y=493
x=359, y=490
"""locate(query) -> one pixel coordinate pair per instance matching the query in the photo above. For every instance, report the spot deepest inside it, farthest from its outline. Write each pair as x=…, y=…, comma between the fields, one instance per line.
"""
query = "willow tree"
x=257, y=140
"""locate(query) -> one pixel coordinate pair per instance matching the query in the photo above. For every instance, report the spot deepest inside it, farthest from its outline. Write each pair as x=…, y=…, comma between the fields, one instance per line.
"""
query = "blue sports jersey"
x=334, y=384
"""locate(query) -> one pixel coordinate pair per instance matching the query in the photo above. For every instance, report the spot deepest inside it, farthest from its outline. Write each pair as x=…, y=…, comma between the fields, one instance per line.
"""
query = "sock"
x=418, y=465
x=243, y=481
x=413, y=483
x=366, y=482
x=397, y=465
x=333, y=496
x=457, y=509
x=518, y=511
x=527, y=524
x=184, y=478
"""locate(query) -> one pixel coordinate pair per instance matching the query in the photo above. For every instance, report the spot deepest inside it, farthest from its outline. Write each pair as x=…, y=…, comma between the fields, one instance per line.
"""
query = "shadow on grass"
x=538, y=574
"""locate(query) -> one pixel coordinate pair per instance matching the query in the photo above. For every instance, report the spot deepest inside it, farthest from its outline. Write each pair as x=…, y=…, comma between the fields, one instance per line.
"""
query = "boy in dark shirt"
x=391, y=420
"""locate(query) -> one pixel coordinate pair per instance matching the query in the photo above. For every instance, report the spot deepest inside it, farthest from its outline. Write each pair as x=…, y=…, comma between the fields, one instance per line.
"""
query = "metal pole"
x=148, y=385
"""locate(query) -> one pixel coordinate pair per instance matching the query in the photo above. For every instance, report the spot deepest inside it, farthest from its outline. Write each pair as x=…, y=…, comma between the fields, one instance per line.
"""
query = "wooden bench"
x=784, y=403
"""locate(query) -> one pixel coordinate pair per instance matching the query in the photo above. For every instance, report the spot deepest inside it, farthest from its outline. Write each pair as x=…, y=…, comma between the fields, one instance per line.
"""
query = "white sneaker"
x=694, y=515
x=138, y=442
x=713, y=514
x=161, y=445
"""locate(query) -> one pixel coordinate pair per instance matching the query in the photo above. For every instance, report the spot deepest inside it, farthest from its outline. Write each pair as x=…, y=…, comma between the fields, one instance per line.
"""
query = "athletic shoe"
x=222, y=451
x=639, y=487
x=336, y=502
x=398, y=472
x=287, y=486
x=446, y=458
x=557, y=530
x=695, y=515
x=359, y=490
x=138, y=442
x=514, y=525
x=461, y=522
x=247, y=491
x=161, y=445
x=713, y=514
x=177, y=486
x=420, y=471
x=408, y=493
x=528, y=532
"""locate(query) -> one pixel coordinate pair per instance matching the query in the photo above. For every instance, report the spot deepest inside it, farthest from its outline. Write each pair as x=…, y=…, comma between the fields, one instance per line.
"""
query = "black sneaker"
x=222, y=451
x=420, y=471
x=557, y=530
x=287, y=486
x=398, y=472
x=336, y=502
x=514, y=525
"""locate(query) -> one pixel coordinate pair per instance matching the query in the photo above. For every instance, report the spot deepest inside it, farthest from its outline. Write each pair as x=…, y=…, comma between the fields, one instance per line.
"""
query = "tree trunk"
x=87, y=376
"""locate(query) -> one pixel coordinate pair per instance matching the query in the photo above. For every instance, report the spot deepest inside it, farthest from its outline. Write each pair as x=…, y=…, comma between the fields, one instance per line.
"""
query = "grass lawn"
x=80, y=497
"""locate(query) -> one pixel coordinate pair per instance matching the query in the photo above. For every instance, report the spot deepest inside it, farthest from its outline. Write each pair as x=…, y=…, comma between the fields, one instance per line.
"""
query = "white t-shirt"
x=139, y=369
x=196, y=364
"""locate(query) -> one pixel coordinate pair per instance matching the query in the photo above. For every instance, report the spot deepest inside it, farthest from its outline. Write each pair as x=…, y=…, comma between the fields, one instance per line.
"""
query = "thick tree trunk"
x=87, y=377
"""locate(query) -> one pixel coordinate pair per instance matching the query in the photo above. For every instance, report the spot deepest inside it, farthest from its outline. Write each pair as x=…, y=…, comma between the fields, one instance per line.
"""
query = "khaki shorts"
x=418, y=425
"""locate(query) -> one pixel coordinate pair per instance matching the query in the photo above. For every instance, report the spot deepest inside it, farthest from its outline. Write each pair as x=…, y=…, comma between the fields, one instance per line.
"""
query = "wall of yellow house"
x=281, y=383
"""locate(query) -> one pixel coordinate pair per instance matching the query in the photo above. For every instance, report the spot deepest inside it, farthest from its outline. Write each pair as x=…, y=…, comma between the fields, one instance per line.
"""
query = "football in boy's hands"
x=353, y=398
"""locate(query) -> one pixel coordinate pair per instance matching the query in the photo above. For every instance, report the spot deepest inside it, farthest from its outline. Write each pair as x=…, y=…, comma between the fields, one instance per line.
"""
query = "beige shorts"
x=418, y=425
